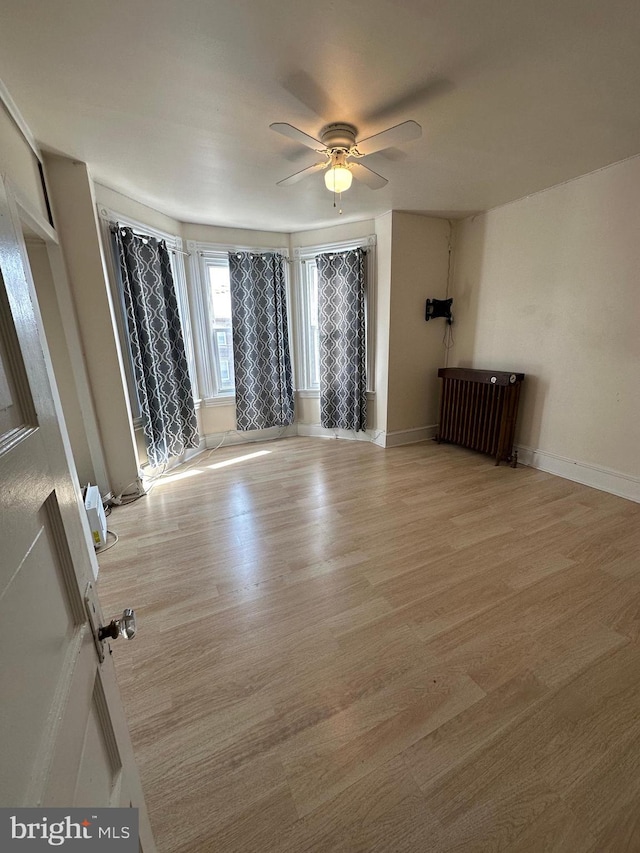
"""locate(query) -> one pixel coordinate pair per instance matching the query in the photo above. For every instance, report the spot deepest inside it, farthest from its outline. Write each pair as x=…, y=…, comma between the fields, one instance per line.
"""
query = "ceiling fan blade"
x=292, y=132
x=305, y=89
x=299, y=176
x=411, y=99
x=404, y=132
x=372, y=179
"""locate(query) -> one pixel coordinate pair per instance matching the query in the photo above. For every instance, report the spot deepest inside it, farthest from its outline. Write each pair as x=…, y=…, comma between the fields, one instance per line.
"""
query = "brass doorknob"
x=124, y=627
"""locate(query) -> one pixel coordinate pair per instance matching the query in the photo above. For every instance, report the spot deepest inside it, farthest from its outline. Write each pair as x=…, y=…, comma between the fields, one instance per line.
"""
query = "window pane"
x=223, y=348
x=313, y=357
x=219, y=294
x=220, y=319
x=313, y=296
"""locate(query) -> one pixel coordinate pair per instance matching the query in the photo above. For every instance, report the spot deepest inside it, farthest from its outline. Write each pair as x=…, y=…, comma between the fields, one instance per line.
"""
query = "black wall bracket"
x=439, y=308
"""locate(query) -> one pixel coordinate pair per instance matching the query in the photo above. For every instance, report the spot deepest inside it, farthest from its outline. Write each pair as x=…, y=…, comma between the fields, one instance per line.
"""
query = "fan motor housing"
x=338, y=135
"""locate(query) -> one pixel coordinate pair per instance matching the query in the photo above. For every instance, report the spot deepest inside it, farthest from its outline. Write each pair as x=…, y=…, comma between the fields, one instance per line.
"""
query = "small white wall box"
x=95, y=515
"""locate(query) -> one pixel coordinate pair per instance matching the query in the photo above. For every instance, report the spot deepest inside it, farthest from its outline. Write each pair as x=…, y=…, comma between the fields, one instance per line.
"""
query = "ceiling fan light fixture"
x=338, y=179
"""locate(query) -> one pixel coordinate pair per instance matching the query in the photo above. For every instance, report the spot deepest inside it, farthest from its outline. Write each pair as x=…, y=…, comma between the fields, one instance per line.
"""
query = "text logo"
x=38, y=829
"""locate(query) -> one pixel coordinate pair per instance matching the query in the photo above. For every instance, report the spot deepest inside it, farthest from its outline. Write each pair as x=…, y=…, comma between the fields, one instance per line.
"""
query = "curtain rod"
x=171, y=249
x=215, y=252
x=336, y=252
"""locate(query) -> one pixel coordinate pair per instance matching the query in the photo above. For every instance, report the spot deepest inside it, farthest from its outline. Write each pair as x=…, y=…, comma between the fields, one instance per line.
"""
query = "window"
x=307, y=339
x=211, y=313
x=219, y=332
x=310, y=355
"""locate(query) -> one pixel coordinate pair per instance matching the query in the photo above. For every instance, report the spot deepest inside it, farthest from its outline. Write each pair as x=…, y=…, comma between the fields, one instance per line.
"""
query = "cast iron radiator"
x=478, y=410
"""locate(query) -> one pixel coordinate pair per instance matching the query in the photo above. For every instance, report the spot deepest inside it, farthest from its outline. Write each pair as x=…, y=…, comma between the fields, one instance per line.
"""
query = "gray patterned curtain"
x=262, y=363
x=342, y=330
x=157, y=346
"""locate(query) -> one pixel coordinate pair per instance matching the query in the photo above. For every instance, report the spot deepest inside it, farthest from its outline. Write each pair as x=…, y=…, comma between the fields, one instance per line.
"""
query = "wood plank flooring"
x=343, y=648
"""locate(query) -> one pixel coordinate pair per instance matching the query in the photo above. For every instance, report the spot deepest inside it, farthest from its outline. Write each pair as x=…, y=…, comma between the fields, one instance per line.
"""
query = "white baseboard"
x=410, y=436
x=605, y=479
x=218, y=439
x=317, y=431
x=377, y=437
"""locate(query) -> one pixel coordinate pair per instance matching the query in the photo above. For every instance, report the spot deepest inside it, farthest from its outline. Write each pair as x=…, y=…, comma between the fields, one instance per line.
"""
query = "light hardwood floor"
x=343, y=648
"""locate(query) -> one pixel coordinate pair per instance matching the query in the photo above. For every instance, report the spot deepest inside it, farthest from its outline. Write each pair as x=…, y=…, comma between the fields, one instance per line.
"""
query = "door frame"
x=42, y=229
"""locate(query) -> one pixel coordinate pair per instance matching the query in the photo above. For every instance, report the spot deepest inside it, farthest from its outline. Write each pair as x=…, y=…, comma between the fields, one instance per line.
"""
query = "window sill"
x=314, y=394
x=222, y=400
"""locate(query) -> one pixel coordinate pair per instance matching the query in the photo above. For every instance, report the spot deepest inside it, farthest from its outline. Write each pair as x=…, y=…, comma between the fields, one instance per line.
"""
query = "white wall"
x=335, y=234
x=129, y=207
x=549, y=286
x=383, y=318
x=235, y=236
x=419, y=262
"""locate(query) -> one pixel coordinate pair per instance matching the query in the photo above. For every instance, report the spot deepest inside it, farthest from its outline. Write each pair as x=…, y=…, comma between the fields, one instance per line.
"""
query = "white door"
x=63, y=736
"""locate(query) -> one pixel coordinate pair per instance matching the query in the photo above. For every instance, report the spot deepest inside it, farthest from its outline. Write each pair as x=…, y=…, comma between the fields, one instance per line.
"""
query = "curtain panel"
x=157, y=346
x=262, y=361
x=342, y=333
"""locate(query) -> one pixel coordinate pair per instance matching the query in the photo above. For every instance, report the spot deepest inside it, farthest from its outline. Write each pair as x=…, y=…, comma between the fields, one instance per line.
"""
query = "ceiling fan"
x=342, y=152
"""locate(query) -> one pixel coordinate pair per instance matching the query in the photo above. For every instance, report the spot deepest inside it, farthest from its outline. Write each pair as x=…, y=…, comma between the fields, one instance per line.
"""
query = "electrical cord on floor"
x=242, y=440
x=106, y=547
x=156, y=477
x=123, y=499
x=132, y=500
x=198, y=461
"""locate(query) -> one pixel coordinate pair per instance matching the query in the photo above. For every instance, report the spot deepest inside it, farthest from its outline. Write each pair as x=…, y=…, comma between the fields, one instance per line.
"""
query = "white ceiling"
x=170, y=101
